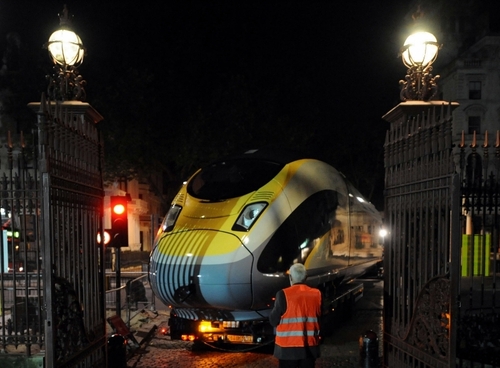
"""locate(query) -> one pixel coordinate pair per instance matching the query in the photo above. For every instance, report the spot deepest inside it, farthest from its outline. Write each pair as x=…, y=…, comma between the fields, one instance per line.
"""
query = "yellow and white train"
x=236, y=227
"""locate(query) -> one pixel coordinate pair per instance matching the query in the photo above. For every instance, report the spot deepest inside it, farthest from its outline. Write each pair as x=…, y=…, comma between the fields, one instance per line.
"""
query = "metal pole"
x=454, y=245
x=47, y=261
x=118, y=282
x=154, y=227
x=154, y=220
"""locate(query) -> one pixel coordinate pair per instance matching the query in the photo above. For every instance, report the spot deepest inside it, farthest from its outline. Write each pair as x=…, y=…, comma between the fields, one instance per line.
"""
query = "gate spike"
x=485, y=139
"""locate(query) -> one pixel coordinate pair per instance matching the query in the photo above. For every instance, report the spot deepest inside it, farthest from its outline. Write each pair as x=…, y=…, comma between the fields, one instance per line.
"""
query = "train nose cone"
x=202, y=269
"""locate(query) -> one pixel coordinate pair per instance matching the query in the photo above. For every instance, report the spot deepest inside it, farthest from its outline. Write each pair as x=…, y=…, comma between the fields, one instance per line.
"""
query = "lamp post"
x=418, y=53
x=66, y=51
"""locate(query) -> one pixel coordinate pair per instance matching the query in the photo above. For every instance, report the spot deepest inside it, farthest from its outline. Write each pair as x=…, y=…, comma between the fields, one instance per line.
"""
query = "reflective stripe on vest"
x=299, y=325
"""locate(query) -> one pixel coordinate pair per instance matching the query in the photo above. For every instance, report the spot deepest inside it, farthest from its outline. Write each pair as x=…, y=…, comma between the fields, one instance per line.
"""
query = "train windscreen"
x=232, y=178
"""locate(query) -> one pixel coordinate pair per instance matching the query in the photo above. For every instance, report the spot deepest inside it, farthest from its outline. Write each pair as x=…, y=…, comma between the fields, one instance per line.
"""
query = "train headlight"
x=248, y=216
x=171, y=218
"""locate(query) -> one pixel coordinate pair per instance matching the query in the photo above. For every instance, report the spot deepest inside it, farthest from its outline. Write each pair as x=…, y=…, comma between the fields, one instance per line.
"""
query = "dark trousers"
x=301, y=363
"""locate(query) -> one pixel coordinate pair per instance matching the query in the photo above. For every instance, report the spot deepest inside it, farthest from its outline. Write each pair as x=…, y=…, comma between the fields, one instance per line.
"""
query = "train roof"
x=278, y=155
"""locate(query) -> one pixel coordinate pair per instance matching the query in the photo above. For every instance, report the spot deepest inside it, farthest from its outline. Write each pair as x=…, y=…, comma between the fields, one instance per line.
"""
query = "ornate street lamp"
x=418, y=53
x=66, y=51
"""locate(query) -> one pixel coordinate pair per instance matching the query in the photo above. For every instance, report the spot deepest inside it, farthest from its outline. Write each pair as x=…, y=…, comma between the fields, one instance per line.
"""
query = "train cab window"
x=295, y=238
x=357, y=203
x=232, y=178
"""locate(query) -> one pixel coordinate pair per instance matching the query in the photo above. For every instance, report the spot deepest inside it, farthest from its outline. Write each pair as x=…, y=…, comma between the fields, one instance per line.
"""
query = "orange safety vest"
x=299, y=325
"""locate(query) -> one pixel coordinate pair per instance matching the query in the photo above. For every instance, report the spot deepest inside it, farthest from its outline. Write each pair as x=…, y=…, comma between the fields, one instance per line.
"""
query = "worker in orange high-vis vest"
x=296, y=316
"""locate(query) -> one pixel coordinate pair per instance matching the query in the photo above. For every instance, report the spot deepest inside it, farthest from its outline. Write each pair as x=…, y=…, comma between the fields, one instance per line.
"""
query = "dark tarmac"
x=340, y=349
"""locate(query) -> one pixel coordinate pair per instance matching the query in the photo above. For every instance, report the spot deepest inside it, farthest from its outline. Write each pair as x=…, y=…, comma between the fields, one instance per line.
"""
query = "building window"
x=474, y=90
x=474, y=124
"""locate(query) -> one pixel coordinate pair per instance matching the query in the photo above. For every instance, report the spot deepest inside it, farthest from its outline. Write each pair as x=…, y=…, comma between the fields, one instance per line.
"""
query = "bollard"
x=117, y=351
x=368, y=349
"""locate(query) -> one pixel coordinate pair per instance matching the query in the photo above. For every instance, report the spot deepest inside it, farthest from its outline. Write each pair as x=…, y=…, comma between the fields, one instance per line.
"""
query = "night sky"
x=349, y=51
x=335, y=61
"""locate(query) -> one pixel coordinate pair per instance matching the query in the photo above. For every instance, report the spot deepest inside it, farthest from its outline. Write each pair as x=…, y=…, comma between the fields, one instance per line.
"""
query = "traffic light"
x=119, y=222
x=103, y=237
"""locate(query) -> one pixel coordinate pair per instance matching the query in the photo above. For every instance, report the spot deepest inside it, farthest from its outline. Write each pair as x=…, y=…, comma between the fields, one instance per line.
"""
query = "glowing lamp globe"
x=66, y=48
x=420, y=49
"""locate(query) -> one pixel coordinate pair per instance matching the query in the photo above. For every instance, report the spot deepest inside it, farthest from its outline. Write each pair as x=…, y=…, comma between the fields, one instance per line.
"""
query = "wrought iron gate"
x=478, y=317
x=52, y=283
x=442, y=252
x=420, y=171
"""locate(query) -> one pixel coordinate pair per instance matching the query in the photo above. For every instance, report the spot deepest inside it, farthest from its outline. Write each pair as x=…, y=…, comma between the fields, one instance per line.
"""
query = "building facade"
x=468, y=63
x=144, y=212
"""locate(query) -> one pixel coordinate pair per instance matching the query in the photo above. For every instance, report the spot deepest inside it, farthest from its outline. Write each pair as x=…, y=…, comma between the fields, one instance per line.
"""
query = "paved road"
x=340, y=349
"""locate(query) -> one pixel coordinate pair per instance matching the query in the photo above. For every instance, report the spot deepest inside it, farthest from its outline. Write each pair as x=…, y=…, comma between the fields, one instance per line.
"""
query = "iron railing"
x=52, y=309
x=441, y=306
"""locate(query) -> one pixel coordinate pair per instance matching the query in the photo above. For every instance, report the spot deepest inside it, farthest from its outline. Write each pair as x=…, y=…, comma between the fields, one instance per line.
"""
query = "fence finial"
x=474, y=140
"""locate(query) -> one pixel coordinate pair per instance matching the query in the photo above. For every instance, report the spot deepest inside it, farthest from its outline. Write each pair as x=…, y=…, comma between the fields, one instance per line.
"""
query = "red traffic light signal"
x=119, y=222
x=119, y=209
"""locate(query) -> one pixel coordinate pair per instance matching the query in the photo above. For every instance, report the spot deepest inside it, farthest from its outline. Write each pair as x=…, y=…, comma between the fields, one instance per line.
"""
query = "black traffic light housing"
x=119, y=222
